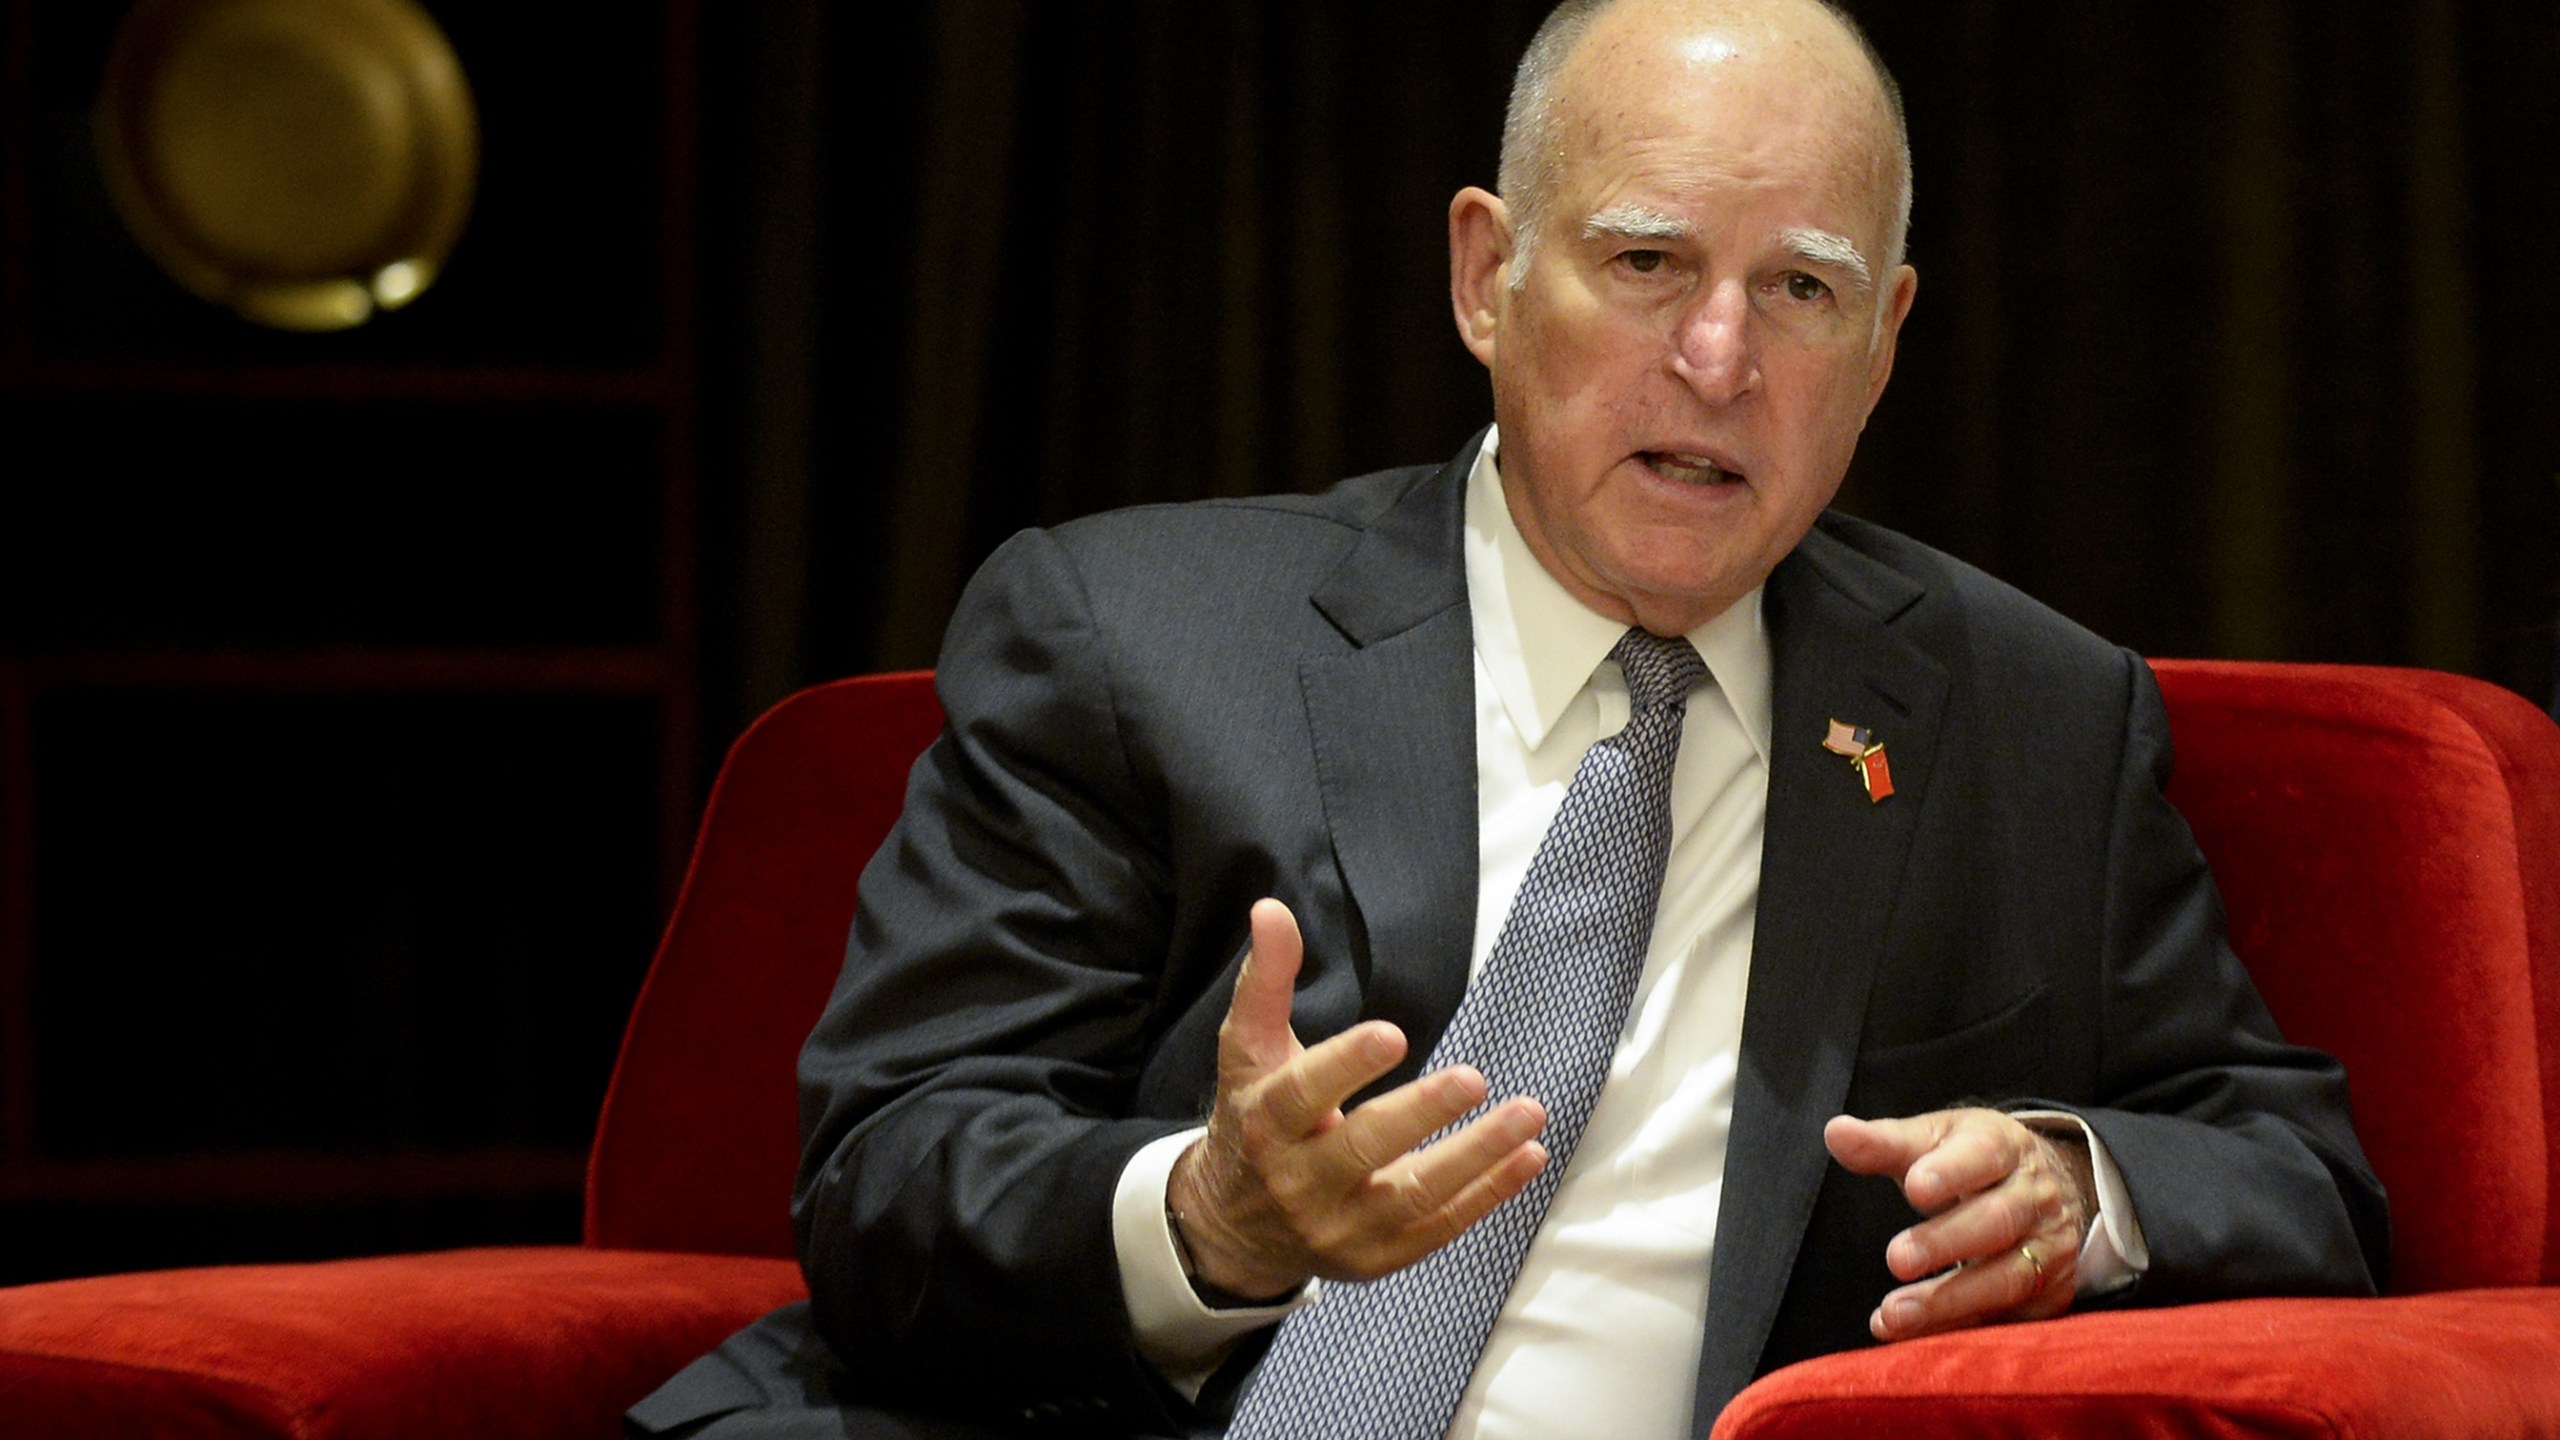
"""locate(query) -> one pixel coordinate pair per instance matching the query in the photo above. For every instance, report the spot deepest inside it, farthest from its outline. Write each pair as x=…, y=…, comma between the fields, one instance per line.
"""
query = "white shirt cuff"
x=2114, y=1255
x=1183, y=1338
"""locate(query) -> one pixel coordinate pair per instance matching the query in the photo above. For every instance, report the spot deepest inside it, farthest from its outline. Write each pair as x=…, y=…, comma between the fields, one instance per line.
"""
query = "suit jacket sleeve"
x=963, y=1098
x=1139, y=708
x=2055, y=940
x=2235, y=1146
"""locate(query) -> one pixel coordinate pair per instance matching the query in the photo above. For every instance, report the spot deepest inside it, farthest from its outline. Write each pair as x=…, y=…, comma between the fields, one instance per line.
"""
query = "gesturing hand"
x=1286, y=1185
x=2008, y=1207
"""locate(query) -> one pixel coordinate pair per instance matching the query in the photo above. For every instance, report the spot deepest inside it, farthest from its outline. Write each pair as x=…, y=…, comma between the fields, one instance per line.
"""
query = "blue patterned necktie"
x=1391, y=1358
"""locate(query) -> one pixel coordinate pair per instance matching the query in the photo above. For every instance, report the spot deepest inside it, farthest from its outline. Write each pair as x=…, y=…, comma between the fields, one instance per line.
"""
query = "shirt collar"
x=1539, y=644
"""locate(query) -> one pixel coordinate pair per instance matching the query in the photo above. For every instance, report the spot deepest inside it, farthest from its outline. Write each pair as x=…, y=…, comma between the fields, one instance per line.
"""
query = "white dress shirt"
x=1606, y=1316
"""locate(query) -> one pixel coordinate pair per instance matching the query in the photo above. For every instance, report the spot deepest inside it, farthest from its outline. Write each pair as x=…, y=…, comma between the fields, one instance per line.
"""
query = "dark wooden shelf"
x=290, y=1177
x=506, y=386
x=347, y=682
x=349, y=670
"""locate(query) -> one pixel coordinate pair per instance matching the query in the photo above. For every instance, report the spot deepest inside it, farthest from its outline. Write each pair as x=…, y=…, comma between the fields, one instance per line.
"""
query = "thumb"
x=1879, y=1147
x=1256, y=1033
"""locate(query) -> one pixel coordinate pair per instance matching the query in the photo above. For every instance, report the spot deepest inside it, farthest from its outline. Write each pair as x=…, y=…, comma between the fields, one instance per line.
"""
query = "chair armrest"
x=2462, y=1362
x=491, y=1343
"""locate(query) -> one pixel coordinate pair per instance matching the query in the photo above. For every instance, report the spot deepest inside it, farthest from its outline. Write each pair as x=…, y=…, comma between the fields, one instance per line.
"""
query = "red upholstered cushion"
x=699, y=1139
x=2364, y=836
x=2469, y=1362
x=538, y=1343
x=2528, y=748
x=2388, y=842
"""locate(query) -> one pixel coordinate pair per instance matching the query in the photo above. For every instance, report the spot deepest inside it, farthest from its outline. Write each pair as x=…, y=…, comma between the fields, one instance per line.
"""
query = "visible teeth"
x=1687, y=469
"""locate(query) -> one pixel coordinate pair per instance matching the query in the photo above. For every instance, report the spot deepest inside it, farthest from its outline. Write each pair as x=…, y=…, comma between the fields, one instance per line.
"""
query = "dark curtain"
x=2234, y=336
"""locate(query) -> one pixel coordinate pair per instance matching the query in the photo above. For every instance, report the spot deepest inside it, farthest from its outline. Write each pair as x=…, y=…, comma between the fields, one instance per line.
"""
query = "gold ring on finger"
x=2035, y=1266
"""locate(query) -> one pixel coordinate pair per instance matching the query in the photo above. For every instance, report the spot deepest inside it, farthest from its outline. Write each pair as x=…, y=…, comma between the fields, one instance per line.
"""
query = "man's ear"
x=1479, y=267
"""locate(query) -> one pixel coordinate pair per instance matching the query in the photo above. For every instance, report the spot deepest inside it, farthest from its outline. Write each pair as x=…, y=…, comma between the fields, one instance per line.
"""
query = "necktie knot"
x=1660, y=671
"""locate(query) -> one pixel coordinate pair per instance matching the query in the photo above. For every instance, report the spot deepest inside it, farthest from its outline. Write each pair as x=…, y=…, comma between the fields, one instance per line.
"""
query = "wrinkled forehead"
x=1754, y=85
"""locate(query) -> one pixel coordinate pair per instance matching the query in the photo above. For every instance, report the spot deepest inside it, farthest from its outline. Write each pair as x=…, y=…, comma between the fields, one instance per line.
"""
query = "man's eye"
x=1801, y=286
x=1643, y=262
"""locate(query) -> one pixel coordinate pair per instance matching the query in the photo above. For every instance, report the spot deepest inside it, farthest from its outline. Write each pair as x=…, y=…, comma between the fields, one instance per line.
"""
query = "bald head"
x=1562, y=80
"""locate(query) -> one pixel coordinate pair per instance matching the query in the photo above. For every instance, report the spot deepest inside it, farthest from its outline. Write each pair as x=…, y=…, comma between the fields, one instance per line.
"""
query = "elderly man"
x=1407, y=961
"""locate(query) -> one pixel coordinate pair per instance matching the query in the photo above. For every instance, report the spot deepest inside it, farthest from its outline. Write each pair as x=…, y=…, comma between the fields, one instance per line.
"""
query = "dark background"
x=357, y=690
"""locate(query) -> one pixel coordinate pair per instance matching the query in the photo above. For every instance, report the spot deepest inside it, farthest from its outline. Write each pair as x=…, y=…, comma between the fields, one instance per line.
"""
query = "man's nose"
x=1713, y=347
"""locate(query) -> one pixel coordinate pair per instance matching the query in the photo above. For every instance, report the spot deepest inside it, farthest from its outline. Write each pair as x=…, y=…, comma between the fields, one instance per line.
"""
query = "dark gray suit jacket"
x=1160, y=715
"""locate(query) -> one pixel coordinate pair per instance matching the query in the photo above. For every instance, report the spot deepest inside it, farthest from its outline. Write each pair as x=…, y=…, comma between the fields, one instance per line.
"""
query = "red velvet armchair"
x=2388, y=842
x=2388, y=847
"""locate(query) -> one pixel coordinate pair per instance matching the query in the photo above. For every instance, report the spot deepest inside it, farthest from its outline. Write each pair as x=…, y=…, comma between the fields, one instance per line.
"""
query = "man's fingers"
x=1256, y=1033
x=2032, y=1280
x=1937, y=1158
x=1300, y=1096
x=1381, y=1131
x=1435, y=1176
x=1509, y=1173
x=1880, y=1147
x=1981, y=1226
x=2033, y=1194
x=2006, y=1212
x=1979, y=1149
x=1424, y=1201
x=1286, y=1183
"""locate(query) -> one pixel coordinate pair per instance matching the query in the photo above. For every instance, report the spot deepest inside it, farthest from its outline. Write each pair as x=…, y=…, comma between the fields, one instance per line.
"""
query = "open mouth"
x=1686, y=469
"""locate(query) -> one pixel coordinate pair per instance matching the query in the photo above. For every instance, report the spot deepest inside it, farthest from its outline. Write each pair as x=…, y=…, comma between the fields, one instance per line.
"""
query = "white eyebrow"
x=1821, y=247
x=1635, y=222
x=1643, y=222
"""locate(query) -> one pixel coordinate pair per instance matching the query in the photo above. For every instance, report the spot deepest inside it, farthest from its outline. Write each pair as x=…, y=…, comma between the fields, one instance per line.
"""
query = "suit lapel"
x=1393, y=721
x=1832, y=863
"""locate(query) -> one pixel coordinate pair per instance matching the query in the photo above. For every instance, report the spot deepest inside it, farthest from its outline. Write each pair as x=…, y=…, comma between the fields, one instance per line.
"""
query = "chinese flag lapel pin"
x=1865, y=754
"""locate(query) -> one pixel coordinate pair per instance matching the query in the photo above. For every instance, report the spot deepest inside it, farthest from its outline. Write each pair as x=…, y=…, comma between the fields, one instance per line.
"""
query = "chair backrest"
x=2388, y=847
x=2387, y=843
x=697, y=1143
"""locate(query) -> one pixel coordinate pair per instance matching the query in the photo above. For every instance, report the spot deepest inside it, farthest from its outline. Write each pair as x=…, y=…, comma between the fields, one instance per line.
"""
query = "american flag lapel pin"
x=1866, y=754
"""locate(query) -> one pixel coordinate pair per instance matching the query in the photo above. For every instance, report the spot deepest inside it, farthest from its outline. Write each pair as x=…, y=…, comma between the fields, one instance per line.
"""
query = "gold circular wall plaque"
x=304, y=162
